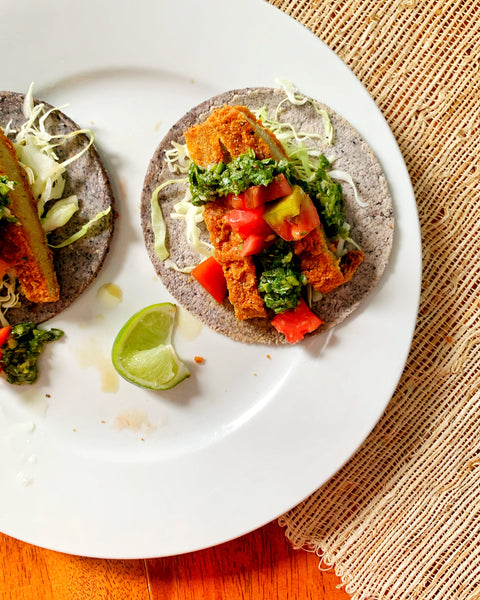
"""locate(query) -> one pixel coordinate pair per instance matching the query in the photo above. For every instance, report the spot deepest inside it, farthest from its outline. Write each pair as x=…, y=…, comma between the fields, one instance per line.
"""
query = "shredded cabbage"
x=347, y=178
x=83, y=230
x=9, y=295
x=192, y=215
x=158, y=222
x=294, y=97
x=36, y=151
x=60, y=213
x=35, y=148
x=178, y=160
x=169, y=264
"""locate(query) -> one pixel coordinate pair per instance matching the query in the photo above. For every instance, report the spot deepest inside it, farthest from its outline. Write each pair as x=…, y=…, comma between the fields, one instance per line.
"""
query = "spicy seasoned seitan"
x=239, y=270
x=25, y=240
x=227, y=133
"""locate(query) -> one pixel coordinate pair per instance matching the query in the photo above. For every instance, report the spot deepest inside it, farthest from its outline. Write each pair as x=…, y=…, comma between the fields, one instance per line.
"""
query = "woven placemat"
x=401, y=520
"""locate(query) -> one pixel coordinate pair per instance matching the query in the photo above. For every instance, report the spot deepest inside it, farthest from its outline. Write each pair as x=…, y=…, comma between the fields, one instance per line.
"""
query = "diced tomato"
x=306, y=221
x=236, y=200
x=248, y=222
x=4, y=334
x=253, y=244
x=294, y=216
x=209, y=274
x=278, y=188
x=256, y=195
x=296, y=323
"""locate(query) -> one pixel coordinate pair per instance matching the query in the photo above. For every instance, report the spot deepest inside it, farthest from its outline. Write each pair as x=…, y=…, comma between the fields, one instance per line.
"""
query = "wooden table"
x=259, y=565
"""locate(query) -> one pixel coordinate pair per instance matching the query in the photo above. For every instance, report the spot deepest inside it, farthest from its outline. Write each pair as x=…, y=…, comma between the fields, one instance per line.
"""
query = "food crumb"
x=269, y=357
x=254, y=374
x=102, y=421
x=142, y=439
x=74, y=429
x=199, y=360
x=47, y=396
x=449, y=339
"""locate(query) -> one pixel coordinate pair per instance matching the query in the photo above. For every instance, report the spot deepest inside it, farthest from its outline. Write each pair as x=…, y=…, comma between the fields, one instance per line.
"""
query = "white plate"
x=122, y=472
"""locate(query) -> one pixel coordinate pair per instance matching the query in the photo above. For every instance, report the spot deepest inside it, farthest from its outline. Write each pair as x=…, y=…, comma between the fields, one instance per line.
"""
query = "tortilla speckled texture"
x=78, y=264
x=371, y=226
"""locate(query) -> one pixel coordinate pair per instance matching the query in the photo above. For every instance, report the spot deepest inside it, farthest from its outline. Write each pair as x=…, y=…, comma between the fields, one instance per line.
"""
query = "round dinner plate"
x=92, y=465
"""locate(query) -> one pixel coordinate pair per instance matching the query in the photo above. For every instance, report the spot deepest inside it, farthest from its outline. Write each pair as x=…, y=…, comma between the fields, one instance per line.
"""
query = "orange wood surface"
x=259, y=565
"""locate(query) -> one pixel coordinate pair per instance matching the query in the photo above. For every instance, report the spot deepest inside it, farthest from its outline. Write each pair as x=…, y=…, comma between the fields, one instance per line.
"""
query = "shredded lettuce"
x=83, y=230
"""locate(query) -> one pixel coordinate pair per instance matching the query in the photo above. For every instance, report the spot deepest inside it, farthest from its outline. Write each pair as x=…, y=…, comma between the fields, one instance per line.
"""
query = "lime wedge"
x=142, y=352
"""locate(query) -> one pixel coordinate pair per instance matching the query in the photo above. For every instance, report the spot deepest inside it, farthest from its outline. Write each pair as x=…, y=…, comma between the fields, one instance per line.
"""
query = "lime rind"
x=143, y=353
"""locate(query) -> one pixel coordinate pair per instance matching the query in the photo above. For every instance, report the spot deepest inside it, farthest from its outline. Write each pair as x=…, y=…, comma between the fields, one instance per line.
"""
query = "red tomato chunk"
x=296, y=323
x=256, y=195
x=253, y=244
x=4, y=335
x=248, y=222
x=209, y=274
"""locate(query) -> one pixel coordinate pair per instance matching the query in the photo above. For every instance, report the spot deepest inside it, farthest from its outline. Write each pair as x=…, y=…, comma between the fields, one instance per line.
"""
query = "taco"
x=56, y=210
x=229, y=153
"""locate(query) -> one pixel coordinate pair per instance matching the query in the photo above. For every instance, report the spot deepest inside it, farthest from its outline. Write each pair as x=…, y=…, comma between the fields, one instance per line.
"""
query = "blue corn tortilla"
x=372, y=227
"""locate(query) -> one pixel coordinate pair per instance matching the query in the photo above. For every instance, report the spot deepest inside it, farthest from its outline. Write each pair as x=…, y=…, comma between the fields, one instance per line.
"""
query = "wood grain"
x=257, y=566
x=260, y=565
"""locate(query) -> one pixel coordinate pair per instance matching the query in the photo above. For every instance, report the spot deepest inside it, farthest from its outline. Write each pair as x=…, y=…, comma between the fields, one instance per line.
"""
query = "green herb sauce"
x=5, y=186
x=280, y=279
x=328, y=198
x=20, y=355
x=207, y=184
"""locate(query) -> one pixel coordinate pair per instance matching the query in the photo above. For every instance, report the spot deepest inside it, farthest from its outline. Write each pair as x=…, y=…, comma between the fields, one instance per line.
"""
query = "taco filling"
x=50, y=244
x=274, y=211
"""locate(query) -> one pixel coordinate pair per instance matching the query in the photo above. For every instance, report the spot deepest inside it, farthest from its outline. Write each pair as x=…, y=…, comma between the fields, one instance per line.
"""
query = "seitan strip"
x=204, y=146
x=33, y=261
x=227, y=133
x=350, y=262
x=239, y=270
x=318, y=263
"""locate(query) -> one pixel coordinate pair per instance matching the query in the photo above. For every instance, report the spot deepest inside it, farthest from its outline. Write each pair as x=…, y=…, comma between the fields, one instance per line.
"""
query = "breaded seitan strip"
x=227, y=133
x=239, y=270
x=33, y=263
x=204, y=146
x=4, y=265
x=350, y=262
x=277, y=151
x=318, y=263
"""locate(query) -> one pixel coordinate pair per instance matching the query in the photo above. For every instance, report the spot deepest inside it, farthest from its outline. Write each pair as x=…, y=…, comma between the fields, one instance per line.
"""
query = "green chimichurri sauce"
x=20, y=355
x=280, y=279
x=208, y=184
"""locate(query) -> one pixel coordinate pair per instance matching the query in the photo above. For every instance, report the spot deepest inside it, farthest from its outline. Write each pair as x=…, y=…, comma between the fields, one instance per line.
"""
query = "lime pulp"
x=143, y=353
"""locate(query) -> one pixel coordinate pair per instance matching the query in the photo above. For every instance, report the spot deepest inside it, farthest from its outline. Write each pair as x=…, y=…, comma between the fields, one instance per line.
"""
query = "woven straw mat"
x=401, y=520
